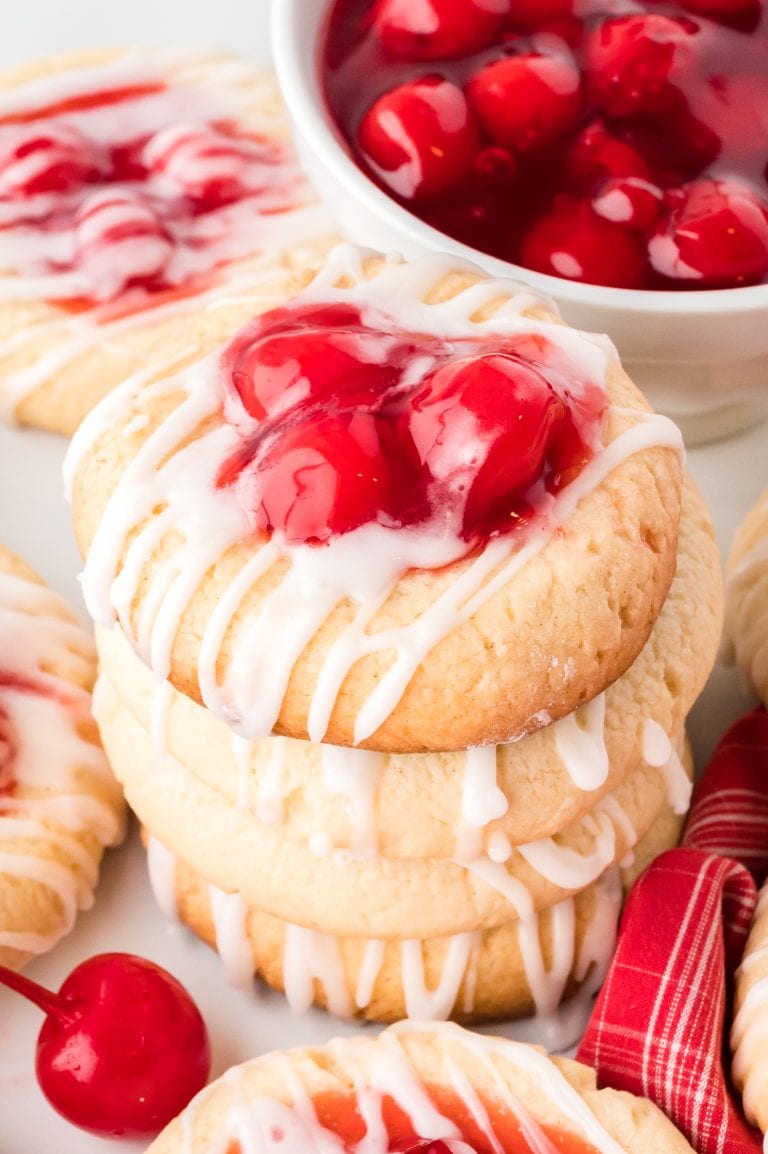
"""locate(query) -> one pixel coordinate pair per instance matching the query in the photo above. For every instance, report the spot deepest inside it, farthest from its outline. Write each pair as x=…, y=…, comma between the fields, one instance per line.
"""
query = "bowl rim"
x=296, y=28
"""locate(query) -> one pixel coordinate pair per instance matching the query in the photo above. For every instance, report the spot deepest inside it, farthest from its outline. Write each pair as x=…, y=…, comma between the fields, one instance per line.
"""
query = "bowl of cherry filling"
x=612, y=154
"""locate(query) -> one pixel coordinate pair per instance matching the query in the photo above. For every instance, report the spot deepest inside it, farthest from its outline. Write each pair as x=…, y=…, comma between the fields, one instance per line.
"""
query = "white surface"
x=701, y=356
x=34, y=520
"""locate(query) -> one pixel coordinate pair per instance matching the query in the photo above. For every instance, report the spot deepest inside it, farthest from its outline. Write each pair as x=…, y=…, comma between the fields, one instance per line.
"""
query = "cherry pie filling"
x=129, y=218
x=620, y=144
x=345, y=419
x=517, y=1133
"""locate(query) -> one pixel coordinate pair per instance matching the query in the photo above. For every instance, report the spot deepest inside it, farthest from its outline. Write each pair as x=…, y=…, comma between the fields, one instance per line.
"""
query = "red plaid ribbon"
x=658, y=1027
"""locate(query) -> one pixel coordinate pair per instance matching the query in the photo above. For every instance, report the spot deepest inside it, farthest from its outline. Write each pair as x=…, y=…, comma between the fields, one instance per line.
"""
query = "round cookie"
x=59, y=803
x=523, y=791
x=374, y=637
x=173, y=187
x=372, y=895
x=522, y=1098
x=512, y=970
x=746, y=621
x=749, y=1033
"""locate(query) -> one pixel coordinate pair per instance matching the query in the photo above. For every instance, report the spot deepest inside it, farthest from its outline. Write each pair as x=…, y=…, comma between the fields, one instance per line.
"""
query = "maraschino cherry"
x=123, y=1047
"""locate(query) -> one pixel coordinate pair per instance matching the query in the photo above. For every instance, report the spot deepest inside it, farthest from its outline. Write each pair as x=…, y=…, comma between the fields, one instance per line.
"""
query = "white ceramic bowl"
x=701, y=357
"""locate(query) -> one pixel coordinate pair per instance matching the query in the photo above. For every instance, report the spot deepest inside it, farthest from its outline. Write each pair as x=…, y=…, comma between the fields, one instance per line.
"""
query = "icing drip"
x=161, y=865
x=568, y=868
x=370, y=968
x=230, y=914
x=309, y=956
x=355, y=773
x=580, y=742
x=481, y=800
x=47, y=763
x=659, y=752
x=436, y=1004
x=176, y=470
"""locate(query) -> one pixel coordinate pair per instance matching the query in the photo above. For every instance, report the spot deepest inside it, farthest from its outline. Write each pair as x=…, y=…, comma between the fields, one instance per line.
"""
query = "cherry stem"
x=51, y=1004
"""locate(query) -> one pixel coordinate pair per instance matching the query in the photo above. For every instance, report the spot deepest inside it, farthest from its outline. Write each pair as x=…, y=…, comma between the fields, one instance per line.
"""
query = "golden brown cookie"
x=419, y=805
x=352, y=893
x=167, y=185
x=749, y=1033
x=380, y=637
x=440, y=1078
x=514, y=969
x=59, y=803
x=746, y=622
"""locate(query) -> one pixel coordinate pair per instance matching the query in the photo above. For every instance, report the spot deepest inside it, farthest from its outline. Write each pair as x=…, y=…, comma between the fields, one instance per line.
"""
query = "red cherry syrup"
x=123, y=1047
x=616, y=144
x=346, y=420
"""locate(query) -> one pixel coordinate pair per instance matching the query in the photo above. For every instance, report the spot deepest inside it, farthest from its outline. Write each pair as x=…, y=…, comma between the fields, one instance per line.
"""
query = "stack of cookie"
x=409, y=602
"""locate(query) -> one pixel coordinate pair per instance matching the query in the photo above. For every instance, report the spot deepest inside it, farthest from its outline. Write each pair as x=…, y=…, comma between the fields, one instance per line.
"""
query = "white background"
x=34, y=520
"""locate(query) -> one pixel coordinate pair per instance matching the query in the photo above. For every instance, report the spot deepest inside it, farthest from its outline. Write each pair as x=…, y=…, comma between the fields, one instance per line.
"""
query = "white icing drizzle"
x=481, y=800
x=355, y=773
x=362, y=566
x=60, y=785
x=161, y=865
x=436, y=1004
x=368, y=973
x=568, y=868
x=310, y=956
x=230, y=915
x=580, y=743
x=382, y=1069
x=659, y=752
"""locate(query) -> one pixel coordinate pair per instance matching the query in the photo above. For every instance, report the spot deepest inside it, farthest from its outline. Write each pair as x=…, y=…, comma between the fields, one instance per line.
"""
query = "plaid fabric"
x=659, y=1025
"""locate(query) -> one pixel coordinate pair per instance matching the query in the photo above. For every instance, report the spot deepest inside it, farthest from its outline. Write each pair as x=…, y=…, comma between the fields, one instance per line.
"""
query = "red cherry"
x=119, y=241
x=481, y=426
x=290, y=357
x=629, y=61
x=526, y=101
x=45, y=157
x=324, y=477
x=420, y=138
x=437, y=29
x=123, y=1048
x=596, y=155
x=201, y=162
x=629, y=201
x=530, y=15
x=715, y=236
x=677, y=149
x=742, y=14
x=572, y=241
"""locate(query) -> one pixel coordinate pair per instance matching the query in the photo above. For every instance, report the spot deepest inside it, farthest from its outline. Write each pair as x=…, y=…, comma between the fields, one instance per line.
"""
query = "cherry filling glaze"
x=515, y=1133
x=101, y=218
x=345, y=420
x=621, y=144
